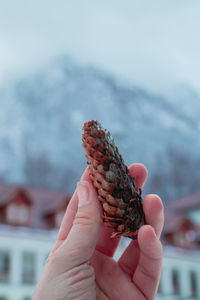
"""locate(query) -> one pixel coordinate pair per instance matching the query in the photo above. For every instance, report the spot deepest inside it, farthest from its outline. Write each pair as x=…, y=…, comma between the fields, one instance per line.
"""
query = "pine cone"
x=117, y=190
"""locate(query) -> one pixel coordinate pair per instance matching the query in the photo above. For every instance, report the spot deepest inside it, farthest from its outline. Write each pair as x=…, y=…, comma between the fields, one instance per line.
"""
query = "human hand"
x=81, y=265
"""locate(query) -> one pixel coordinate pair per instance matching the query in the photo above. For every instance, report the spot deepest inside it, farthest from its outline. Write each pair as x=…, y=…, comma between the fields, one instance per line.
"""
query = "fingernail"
x=83, y=193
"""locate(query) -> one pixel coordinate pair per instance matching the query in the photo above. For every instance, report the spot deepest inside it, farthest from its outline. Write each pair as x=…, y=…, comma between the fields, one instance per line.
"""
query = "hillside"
x=42, y=116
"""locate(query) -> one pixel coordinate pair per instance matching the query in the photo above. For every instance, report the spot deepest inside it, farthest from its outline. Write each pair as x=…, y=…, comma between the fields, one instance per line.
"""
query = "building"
x=22, y=257
x=181, y=239
x=29, y=219
x=180, y=274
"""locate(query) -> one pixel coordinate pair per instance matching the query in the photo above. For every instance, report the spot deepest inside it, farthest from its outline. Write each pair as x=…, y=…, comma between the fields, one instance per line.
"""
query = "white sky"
x=153, y=43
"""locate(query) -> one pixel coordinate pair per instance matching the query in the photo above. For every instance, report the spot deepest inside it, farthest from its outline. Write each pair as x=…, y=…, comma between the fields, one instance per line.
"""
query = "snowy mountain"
x=42, y=116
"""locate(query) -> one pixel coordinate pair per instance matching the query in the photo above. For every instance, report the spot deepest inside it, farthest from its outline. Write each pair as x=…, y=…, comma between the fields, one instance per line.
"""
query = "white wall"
x=15, y=242
x=18, y=240
x=184, y=261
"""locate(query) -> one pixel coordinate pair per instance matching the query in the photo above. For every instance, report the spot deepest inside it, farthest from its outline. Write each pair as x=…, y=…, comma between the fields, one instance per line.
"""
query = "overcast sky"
x=149, y=42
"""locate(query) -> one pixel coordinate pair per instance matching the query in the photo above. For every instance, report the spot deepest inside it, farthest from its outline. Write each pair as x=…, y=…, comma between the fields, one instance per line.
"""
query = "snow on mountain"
x=42, y=115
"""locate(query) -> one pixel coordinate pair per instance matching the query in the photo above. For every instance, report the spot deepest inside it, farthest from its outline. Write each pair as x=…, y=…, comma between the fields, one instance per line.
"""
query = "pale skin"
x=81, y=264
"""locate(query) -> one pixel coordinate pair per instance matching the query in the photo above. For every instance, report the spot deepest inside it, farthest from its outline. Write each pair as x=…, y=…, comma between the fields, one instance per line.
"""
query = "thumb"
x=85, y=231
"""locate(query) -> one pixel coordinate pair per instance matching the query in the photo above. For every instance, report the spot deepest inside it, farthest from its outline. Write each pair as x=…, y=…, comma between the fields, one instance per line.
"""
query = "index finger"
x=139, y=173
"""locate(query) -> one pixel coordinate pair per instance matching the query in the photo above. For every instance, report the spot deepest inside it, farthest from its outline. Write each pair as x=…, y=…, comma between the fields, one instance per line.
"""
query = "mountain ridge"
x=42, y=116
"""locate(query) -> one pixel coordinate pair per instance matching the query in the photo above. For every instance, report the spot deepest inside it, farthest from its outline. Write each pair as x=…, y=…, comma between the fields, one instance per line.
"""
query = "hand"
x=81, y=265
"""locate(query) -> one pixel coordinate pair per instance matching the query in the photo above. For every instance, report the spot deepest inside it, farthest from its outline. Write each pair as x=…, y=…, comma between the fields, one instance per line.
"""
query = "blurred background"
x=133, y=66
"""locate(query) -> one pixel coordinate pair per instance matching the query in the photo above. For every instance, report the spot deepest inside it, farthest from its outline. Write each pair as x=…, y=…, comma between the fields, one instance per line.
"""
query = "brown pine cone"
x=117, y=190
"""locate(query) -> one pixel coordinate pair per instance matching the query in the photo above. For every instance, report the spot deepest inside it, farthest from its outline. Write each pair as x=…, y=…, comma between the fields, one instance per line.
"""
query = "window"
x=195, y=216
x=12, y=213
x=28, y=268
x=193, y=284
x=176, y=282
x=17, y=214
x=4, y=266
x=190, y=236
x=23, y=214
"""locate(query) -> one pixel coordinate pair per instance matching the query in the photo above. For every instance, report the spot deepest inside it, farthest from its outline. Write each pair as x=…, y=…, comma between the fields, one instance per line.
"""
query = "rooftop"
x=43, y=201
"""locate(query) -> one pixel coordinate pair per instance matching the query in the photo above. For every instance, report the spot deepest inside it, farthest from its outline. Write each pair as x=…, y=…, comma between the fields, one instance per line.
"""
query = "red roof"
x=185, y=203
x=177, y=211
x=43, y=201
